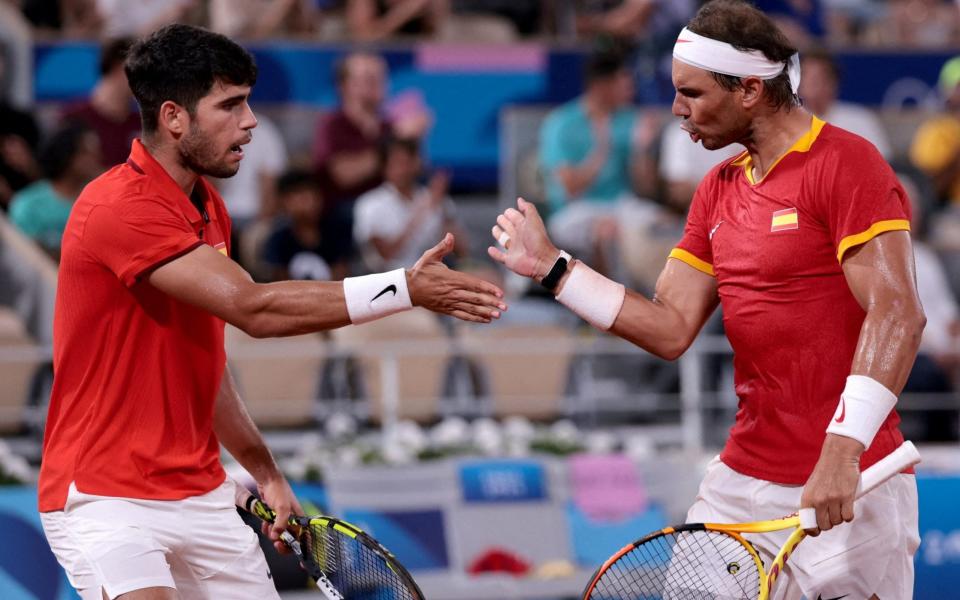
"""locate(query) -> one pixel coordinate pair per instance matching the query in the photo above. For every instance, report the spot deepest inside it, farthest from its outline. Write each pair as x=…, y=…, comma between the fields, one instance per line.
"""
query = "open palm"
x=528, y=251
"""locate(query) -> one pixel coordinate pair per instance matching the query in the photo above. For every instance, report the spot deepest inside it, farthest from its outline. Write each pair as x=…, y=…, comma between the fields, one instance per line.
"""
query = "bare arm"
x=665, y=325
x=625, y=20
x=881, y=276
x=211, y=281
x=365, y=24
x=240, y=436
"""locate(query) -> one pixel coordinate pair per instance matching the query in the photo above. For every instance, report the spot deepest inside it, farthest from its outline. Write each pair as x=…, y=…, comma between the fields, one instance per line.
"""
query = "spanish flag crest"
x=784, y=219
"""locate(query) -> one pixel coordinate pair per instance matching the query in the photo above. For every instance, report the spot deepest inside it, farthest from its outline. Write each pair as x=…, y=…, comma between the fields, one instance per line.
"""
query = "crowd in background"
x=617, y=179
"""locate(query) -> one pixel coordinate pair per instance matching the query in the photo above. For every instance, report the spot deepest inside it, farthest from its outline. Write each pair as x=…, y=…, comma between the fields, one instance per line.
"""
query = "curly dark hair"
x=744, y=27
x=181, y=63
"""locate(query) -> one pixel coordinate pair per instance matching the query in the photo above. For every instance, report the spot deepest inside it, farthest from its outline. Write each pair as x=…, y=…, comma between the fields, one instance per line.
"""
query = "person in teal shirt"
x=591, y=156
x=70, y=159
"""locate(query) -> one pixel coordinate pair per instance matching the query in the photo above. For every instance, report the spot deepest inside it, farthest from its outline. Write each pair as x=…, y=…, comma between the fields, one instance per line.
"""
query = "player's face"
x=711, y=115
x=219, y=128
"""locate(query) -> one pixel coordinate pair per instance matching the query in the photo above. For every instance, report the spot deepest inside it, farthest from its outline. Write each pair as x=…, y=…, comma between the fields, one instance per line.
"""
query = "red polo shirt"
x=776, y=247
x=136, y=372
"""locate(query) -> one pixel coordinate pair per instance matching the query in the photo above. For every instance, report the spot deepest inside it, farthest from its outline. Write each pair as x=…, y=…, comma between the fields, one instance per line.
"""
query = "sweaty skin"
x=880, y=273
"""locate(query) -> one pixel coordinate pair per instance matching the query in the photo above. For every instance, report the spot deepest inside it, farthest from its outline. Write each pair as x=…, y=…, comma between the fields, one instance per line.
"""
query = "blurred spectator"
x=631, y=20
x=16, y=54
x=684, y=163
x=521, y=18
x=938, y=358
x=348, y=139
x=936, y=145
x=916, y=23
x=64, y=18
x=139, y=17
x=589, y=158
x=371, y=20
x=802, y=21
x=399, y=220
x=296, y=248
x=110, y=110
x=19, y=136
x=648, y=27
x=257, y=19
x=70, y=159
x=819, y=87
x=251, y=194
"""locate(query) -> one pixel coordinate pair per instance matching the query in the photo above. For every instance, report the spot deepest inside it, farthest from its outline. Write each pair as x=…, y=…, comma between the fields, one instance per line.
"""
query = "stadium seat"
x=17, y=369
x=417, y=341
x=526, y=382
x=277, y=378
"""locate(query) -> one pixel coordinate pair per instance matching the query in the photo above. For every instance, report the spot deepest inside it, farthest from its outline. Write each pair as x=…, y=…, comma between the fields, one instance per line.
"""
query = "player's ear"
x=752, y=91
x=174, y=118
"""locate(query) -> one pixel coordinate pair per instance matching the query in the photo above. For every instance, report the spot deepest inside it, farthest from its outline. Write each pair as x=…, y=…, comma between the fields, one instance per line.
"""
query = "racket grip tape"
x=904, y=457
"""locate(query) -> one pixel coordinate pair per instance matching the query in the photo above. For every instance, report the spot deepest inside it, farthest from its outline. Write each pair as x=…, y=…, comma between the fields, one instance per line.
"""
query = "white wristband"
x=373, y=296
x=594, y=298
x=864, y=406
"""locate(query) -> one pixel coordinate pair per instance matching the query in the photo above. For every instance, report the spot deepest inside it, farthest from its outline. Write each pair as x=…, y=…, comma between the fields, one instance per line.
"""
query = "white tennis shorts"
x=873, y=554
x=200, y=546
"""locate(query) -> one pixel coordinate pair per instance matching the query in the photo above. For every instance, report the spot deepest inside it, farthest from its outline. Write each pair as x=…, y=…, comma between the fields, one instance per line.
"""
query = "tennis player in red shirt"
x=804, y=241
x=133, y=497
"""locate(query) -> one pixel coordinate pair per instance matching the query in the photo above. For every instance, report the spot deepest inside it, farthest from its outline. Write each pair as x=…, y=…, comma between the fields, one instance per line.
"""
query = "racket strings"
x=685, y=565
x=355, y=569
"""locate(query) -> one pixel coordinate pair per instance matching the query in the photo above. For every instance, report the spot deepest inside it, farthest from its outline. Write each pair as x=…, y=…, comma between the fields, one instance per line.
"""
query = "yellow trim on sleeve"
x=865, y=236
x=700, y=265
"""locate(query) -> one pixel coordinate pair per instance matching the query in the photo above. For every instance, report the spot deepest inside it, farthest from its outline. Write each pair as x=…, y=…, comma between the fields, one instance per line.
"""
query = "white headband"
x=720, y=57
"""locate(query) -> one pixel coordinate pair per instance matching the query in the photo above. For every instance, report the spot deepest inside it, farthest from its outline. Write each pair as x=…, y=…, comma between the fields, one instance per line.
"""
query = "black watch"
x=552, y=278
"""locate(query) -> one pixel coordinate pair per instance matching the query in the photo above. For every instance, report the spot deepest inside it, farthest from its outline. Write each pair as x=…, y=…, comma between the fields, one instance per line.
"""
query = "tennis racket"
x=713, y=561
x=345, y=562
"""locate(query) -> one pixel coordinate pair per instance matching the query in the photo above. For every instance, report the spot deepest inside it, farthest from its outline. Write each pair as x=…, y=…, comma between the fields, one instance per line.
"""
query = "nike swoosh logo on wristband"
x=390, y=288
x=843, y=411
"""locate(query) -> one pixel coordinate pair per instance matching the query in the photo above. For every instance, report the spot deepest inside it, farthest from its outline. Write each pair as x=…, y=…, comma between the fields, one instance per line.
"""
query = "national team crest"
x=785, y=219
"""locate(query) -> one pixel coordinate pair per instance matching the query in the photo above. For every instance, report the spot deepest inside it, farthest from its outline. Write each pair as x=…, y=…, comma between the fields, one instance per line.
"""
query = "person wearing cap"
x=936, y=145
x=808, y=251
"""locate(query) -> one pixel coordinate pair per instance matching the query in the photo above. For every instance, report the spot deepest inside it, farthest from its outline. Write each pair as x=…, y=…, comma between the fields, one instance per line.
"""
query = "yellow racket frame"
x=767, y=577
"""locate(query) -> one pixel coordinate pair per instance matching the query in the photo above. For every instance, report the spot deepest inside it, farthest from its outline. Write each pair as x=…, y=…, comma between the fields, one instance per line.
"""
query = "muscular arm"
x=881, y=276
x=207, y=279
x=667, y=324
x=240, y=436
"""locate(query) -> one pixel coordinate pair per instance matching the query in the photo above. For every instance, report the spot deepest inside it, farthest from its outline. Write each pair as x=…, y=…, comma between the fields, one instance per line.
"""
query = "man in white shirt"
x=819, y=86
x=400, y=218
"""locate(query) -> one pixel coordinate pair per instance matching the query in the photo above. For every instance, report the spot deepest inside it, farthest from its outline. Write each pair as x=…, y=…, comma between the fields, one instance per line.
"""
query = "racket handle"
x=902, y=458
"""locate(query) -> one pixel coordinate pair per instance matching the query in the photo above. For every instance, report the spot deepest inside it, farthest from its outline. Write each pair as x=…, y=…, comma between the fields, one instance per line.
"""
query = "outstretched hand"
x=528, y=250
x=442, y=290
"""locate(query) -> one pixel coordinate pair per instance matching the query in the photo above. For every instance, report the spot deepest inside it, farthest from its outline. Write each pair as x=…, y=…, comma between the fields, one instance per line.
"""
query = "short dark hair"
x=114, y=53
x=603, y=64
x=409, y=145
x=296, y=180
x=57, y=152
x=826, y=57
x=746, y=28
x=182, y=63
